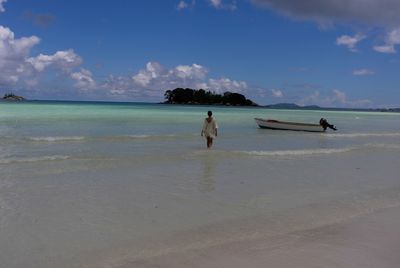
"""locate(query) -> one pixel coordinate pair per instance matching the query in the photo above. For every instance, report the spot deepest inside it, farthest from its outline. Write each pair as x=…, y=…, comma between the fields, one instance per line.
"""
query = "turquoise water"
x=176, y=128
x=83, y=183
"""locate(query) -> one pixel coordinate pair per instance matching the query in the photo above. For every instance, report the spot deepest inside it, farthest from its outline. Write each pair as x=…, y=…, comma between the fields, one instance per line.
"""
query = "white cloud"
x=363, y=72
x=219, y=4
x=394, y=36
x=194, y=71
x=1, y=5
x=225, y=84
x=16, y=65
x=117, y=91
x=277, y=93
x=350, y=41
x=216, y=3
x=13, y=55
x=153, y=71
x=118, y=85
x=182, y=5
x=185, y=4
x=385, y=49
x=157, y=76
x=83, y=80
x=337, y=98
x=13, y=49
x=64, y=60
x=392, y=39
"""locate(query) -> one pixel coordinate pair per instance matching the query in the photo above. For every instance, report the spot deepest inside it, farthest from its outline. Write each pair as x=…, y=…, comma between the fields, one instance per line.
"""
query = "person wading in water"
x=209, y=129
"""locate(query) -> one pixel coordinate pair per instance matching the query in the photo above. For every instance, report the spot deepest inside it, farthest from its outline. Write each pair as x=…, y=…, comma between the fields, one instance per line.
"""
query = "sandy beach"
x=368, y=240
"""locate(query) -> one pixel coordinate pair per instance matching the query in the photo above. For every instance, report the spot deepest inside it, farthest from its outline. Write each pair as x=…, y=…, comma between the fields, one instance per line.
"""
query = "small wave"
x=296, y=152
x=363, y=135
x=57, y=139
x=134, y=137
x=382, y=146
x=147, y=137
x=33, y=159
x=306, y=152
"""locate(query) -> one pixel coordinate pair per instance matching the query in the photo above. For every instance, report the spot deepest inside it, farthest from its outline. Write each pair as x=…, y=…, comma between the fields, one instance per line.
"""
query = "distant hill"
x=193, y=96
x=316, y=107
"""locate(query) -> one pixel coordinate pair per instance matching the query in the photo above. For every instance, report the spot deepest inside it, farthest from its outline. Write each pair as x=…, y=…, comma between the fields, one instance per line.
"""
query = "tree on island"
x=193, y=96
x=12, y=96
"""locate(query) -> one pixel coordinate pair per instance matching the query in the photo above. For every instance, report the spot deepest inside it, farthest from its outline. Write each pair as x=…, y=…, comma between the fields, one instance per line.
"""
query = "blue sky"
x=329, y=53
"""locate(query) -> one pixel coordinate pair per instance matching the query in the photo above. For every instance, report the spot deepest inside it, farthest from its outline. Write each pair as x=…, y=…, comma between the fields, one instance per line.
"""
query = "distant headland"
x=201, y=96
x=12, y=97
x=290, y=106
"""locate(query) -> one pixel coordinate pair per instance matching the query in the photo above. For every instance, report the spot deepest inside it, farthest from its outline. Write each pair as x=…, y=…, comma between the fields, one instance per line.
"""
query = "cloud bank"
x=375, y=13
x=155, y=79
x=20, y=69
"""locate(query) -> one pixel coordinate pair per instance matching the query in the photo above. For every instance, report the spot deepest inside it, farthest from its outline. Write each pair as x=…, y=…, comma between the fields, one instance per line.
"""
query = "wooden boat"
x=282, y=125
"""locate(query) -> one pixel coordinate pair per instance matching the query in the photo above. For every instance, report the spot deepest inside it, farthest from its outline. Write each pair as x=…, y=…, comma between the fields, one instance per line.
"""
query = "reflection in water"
x=323, y=141
x=207, y=181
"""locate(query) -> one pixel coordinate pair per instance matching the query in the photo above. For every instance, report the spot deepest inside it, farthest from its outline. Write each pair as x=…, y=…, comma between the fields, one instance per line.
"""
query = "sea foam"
x=33, y=159
x=56, y=138
x=296, y=152
x=363, y=135
x=305, y=152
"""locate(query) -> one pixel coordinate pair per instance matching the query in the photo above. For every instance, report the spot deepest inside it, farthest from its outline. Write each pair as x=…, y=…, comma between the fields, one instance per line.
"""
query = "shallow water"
x=83, y=183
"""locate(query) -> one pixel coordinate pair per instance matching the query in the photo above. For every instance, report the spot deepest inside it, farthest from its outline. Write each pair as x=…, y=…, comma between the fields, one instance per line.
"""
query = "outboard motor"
x=324, y=123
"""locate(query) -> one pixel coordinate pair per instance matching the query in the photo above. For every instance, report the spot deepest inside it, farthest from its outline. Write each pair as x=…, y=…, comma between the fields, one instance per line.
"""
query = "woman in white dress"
x=209, y=129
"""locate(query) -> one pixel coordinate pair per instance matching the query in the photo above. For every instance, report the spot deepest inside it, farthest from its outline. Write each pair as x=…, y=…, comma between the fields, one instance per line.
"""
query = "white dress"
x=210, y=128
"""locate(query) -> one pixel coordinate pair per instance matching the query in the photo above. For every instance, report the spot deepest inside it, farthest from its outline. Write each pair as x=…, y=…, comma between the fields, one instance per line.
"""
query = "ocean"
x=105, y=184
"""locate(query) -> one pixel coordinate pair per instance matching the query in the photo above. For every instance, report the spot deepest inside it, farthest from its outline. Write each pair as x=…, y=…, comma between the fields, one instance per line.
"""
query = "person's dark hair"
x=209, y=113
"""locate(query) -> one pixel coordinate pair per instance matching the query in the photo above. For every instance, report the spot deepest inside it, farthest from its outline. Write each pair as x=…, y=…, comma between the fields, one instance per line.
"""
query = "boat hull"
x=281, y=125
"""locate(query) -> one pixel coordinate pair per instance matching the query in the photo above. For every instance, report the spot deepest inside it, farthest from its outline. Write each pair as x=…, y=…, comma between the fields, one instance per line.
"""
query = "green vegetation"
x=12, y=96
x=193, y=96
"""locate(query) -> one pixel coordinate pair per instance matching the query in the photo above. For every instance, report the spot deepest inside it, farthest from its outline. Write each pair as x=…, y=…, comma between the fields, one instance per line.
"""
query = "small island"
x=201, y=96
x=12, y=97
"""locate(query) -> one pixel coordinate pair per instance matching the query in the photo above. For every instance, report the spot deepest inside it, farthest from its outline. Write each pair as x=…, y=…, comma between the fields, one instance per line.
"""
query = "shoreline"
x=367, y=240
x=266, y=106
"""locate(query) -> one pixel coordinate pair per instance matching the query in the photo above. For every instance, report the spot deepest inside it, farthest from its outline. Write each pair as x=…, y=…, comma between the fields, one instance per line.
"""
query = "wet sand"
x=369, y=240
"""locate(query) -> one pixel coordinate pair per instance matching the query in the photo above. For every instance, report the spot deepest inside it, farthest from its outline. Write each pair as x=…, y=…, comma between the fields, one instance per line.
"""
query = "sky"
x=331, y=53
